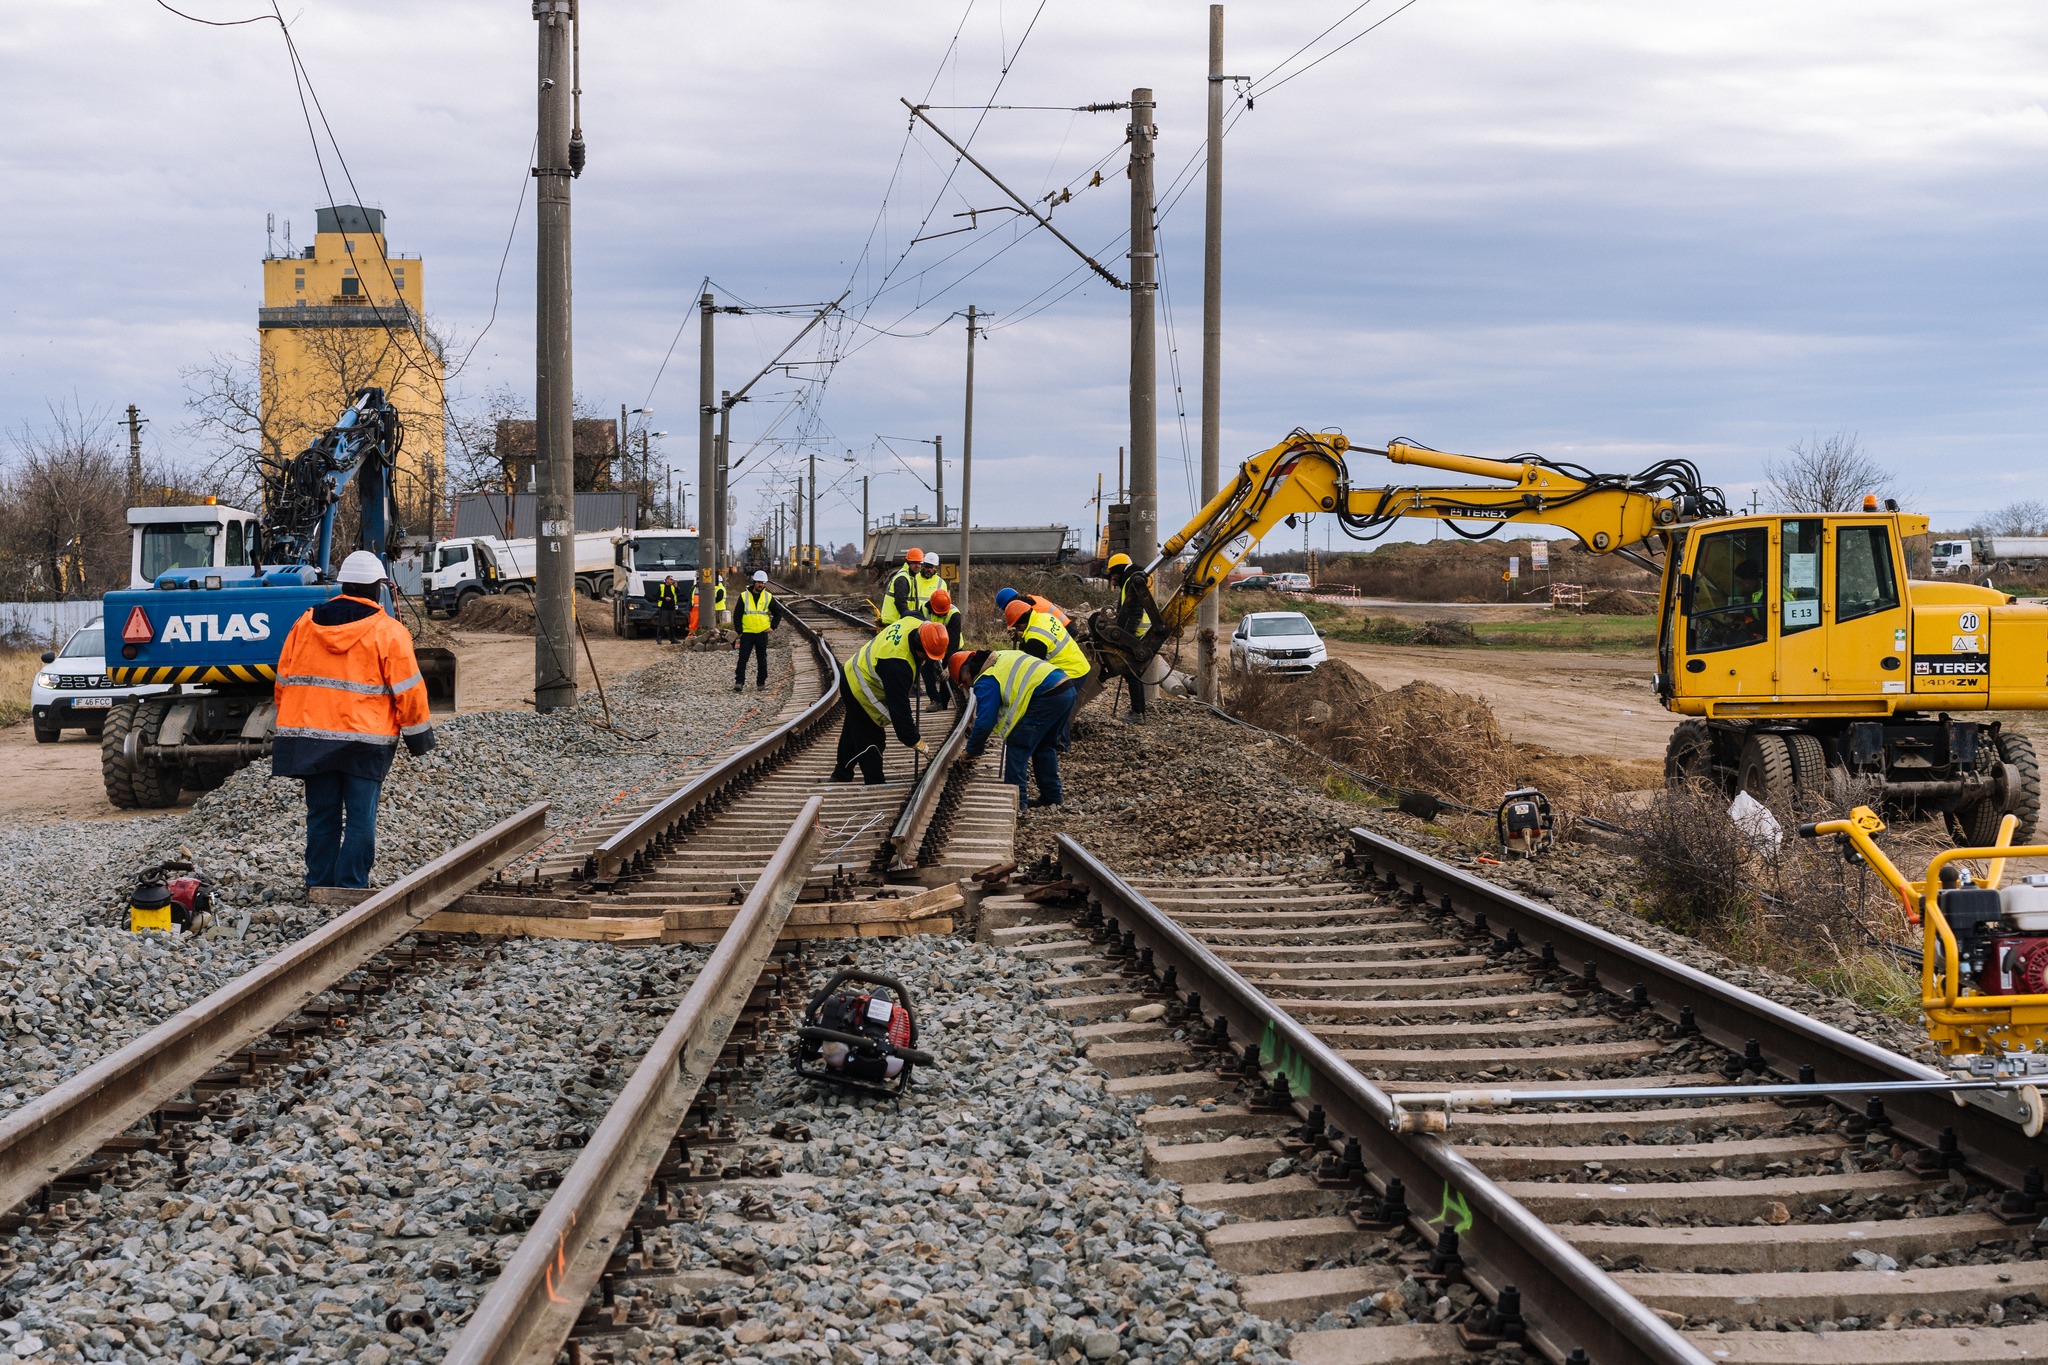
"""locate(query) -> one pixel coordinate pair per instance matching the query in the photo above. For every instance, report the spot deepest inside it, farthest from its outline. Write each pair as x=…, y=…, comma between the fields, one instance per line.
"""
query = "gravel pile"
x=390, y=1170
x=75, y=983
x=1001, y=1209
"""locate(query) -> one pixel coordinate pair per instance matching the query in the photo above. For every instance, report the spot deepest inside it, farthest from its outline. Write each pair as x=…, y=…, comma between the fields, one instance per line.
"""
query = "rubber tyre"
x=1809, y=766
x=462, y=600
x=1689, y=755
x=114, y=772
x=46, y=734
x=205, y=777
x=2018, y=750
x=1765, y=771
x=619, y=626
x=155, y=784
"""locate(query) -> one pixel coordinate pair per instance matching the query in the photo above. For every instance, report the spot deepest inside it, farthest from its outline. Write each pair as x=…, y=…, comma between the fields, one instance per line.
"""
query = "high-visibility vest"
x=1061, y=651
x=754, y=615
x=903, y=575
x=718, y=595
x=1018, y=676
x=1050, y=608
x=664, y=594
x=861, y=678
x=922, y=587
x=1123, y=594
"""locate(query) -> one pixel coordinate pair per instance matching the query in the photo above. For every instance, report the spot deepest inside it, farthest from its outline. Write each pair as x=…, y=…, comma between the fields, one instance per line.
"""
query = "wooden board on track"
x=928, y=912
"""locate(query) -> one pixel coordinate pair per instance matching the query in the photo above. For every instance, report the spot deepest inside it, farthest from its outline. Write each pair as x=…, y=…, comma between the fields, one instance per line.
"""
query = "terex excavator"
x=1805, y=662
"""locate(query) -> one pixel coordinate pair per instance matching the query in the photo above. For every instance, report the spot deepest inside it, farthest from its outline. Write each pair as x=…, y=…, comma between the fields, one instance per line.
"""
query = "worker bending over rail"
x=1132, y=595
x=880, y=682
x=1025, y=704
x=759, y=614
x=348, y=690
x=939, y=607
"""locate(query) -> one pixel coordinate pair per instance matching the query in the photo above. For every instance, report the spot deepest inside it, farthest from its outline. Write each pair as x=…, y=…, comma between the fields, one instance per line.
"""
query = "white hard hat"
x=760, y=575
x=931, y=561
x=362, y=567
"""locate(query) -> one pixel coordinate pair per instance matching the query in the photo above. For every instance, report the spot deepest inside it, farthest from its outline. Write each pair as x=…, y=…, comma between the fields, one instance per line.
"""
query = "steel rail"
x=55, y=1131
x=631, y=848
x=536, y=1299
x=1725, y=1014
x=1566, y=1299
x=900, y=849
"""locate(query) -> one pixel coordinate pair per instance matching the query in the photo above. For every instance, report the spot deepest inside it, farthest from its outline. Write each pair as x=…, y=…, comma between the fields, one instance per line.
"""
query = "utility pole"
x=967, y=469
x=707, y=455
x=721, y=514
x=1210, y=619
x=554, y=637
x=863, y=514
x=939, y=458
x=135, y=421
x=814, y=505
x=1144, y=352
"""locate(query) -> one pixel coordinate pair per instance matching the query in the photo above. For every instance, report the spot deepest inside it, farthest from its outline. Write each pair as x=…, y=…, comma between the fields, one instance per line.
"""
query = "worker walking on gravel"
x=759, y=614
x=666, y=601
x=881, y=683
x=1133, y=618
x=899, y=595
x=1024, y=704
x=939, y=607
x=348, y=691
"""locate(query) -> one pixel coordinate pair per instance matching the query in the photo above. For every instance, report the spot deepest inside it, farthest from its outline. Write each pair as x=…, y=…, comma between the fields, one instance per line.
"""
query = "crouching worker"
x=940, y=608
x=348, y=690
x=1024, y=703
x=881, y=683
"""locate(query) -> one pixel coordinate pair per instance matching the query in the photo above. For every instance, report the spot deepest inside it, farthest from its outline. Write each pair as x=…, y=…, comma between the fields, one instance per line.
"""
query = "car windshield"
x=89, y=643
x=1290, y=623
x=665, y=553
x=176, y=545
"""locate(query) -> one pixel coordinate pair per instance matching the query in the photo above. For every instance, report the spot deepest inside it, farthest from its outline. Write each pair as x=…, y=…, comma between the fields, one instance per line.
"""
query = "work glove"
x=922, y=747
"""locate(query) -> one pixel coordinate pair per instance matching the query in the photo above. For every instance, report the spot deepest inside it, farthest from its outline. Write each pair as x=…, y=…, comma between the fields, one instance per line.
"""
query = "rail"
x=1565, y=1297
x=630, y=848
x=906, y=840
x=52, y=1133
x=1734, y=1018
x=530, y=1309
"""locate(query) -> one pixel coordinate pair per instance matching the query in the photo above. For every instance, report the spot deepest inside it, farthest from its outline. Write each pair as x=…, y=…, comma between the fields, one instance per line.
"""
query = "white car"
x=1276, y=642
x=71, y=691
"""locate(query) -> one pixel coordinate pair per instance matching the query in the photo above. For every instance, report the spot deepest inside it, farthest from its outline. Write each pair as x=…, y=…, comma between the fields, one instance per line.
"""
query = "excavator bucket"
x=437, y=669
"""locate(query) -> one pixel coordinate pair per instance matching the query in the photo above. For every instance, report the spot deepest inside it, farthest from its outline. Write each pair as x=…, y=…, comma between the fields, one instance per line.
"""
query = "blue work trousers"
x=1032, y=750
x=341, y=829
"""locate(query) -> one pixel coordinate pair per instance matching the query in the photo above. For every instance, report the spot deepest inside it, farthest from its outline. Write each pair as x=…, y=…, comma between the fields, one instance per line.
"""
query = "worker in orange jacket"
x=348, y=692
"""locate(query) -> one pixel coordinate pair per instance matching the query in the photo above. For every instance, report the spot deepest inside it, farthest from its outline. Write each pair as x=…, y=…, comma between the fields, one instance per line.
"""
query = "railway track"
x=722, y=858
x=1274, y=1025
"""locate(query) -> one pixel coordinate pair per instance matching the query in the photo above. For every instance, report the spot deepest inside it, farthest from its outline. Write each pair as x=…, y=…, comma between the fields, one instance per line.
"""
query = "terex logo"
x=205, y=628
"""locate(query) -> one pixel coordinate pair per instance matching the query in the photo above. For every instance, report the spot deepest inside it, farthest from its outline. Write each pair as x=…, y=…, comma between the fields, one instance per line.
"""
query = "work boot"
x=739, y=687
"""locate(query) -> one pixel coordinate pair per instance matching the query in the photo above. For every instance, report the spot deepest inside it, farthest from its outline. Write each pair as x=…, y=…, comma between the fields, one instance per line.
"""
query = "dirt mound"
x=1446, y=633
x=1618, y=603
x=511, y=613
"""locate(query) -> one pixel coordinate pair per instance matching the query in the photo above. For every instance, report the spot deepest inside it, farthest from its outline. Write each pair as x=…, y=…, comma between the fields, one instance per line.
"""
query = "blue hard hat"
x=1005, y=597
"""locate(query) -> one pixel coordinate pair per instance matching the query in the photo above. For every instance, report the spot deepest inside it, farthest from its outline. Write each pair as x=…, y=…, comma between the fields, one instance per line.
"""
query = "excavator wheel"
x=155, y=783
x=1809, y=767
x=115, y=773
x=1766, y=771
x=1689, y=755
x=2018, y=750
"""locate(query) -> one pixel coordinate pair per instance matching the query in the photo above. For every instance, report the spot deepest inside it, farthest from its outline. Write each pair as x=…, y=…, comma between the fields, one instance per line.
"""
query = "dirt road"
x=1564, y=701
x=40, y=783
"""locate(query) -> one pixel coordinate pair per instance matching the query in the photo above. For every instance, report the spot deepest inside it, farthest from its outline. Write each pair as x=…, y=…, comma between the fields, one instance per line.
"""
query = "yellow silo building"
x=342, y=314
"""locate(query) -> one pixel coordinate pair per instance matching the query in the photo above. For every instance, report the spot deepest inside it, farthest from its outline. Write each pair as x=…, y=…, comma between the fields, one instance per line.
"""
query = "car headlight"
x=46, y=680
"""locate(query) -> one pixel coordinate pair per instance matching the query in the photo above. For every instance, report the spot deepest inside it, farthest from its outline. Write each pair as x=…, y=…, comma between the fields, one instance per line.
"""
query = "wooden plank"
x=879, y=929
x=937, y=901
x=590, y=928
x=547, y=907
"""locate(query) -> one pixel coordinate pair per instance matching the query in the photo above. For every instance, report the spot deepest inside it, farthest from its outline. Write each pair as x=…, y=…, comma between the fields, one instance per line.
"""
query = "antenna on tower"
x=289, y=249
x=269, y=236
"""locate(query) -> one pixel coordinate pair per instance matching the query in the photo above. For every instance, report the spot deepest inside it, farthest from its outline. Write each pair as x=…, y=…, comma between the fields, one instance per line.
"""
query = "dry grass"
x=17, y=672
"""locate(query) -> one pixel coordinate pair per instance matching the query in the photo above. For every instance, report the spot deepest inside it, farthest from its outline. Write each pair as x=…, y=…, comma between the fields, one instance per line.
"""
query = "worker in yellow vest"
x=759, y=614
x=928, y=582
x=939, y=607
x=1133, y=596
x=899, y=596
x=880, y=683
x=1023, y=703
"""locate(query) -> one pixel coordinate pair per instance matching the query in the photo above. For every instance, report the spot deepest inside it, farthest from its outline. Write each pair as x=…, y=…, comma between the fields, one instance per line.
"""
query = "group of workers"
x=1024, y=695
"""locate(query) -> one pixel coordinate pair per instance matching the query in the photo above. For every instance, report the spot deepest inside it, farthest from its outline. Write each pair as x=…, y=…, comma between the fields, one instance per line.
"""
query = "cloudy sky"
x=1605, y=230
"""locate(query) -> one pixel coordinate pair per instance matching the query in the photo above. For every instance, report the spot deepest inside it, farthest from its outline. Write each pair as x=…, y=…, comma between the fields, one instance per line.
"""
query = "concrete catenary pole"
x=939, y=459
x=721, y=511
x=1144, y=350
x=554, y=637
x=135, y=421
x=813, y=536
x=1211, y=617
x=967, y=468
x=707, y=455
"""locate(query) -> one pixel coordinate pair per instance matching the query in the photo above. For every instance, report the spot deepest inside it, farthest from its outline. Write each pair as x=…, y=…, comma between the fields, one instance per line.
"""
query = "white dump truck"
x=458, y=569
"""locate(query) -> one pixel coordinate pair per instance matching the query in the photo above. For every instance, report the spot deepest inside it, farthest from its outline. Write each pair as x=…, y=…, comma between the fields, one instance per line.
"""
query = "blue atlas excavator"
x=212, y=625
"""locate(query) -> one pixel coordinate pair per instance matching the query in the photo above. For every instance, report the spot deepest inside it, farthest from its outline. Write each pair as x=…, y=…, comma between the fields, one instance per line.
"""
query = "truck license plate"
x=91, y=703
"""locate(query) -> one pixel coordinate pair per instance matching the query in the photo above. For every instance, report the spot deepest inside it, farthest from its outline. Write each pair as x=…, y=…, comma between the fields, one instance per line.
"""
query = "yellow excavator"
x=1808, y=667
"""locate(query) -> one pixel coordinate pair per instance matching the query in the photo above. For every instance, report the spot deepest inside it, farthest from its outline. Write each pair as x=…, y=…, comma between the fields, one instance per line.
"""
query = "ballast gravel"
x=75, y=983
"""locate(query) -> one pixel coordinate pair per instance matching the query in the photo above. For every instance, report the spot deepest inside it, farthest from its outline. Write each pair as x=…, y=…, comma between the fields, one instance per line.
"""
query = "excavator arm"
x=1307, y=474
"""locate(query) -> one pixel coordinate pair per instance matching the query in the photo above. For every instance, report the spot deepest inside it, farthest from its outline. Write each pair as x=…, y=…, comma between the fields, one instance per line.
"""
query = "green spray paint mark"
x=1454, y=1207
x=1284, y=1059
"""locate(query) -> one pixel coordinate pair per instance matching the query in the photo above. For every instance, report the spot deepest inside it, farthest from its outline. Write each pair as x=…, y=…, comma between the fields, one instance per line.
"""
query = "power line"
x=1255, y=93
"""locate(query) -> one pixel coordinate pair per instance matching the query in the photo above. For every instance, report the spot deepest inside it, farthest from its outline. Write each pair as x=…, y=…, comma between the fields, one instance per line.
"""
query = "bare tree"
x=2028, y=517
x=63, y=500
x=1831, y=474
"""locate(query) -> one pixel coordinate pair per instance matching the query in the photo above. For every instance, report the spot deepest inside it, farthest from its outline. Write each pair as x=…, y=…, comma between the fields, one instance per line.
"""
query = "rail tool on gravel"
x=859, y=1033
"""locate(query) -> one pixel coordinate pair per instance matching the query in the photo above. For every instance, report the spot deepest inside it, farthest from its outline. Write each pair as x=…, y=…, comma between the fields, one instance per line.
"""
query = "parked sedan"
x=1277, y=642
x=71, y=692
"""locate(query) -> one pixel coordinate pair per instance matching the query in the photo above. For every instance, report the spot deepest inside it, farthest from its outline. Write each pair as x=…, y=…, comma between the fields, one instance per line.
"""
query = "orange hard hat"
x=941, y=601
x=1014, y=614
x=957, y=665
x=913, y=555
x=934, y=637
